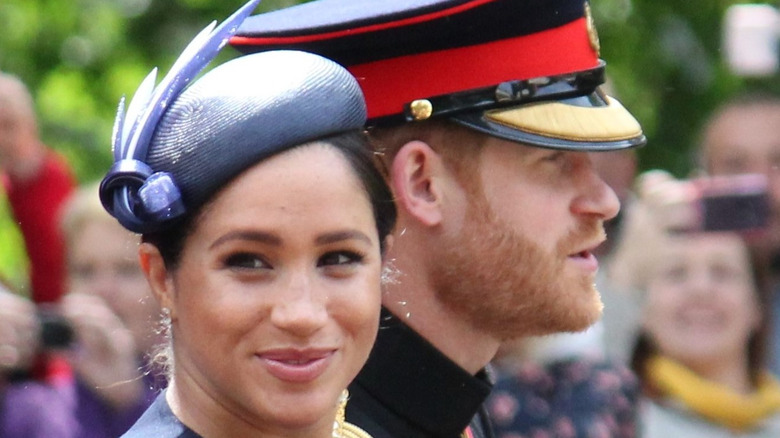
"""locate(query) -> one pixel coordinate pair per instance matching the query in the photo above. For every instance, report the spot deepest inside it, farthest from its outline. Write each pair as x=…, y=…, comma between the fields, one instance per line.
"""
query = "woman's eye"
x=725, y=272
x=339, y=258
x=245, y=261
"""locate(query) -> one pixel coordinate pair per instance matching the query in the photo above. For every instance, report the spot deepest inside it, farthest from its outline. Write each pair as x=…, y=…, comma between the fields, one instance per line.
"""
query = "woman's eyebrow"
x=338, y=236
x=255, y=236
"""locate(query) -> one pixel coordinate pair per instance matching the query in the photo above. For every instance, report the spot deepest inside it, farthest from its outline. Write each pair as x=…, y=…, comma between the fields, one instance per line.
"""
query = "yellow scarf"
x=712, y=400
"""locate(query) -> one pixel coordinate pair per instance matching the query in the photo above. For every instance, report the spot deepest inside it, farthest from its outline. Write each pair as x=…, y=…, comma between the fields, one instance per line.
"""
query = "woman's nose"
x=301, y=309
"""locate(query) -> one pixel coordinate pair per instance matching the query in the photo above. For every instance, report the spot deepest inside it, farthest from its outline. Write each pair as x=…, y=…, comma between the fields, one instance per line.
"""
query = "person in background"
x=83, y=268
x=540, y=391
x=264, y=224
x=110, y=310
x=29, y=170
x=742, y=137
x=700, y=353
x=28, y=408
x=484, y=134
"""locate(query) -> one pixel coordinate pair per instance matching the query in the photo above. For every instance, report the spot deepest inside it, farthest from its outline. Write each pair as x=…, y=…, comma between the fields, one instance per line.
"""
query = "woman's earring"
x=165, y=322
x=341, y=413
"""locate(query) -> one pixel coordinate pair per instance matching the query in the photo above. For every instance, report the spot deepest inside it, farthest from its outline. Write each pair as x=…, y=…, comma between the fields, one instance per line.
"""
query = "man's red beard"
x=508, y=286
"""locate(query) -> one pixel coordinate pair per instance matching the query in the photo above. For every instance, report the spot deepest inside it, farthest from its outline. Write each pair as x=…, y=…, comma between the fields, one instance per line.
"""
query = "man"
x=741, y=137
x=483, y=111
x=30, y=170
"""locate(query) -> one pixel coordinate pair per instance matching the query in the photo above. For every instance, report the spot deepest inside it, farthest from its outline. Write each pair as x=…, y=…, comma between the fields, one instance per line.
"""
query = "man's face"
x=745, y=139
x=520, y=262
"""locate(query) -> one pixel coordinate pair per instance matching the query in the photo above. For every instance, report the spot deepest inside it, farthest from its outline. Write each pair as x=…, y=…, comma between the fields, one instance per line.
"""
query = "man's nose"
x=597, y=197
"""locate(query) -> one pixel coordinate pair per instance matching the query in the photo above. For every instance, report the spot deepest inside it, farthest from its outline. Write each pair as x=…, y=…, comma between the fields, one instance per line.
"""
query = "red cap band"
x=389, y=84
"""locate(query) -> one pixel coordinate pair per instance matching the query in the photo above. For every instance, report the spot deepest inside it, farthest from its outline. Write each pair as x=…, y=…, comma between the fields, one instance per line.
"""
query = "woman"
x=109, y=308
x=264, y=224
x=700, y=353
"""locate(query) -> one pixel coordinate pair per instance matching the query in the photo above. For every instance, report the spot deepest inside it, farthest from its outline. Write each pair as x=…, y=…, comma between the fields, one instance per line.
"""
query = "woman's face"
x=701, y=302
x=275, y=303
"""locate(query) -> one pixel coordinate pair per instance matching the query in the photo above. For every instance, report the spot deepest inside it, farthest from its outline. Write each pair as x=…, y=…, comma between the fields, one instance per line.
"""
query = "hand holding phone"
x=737, y=203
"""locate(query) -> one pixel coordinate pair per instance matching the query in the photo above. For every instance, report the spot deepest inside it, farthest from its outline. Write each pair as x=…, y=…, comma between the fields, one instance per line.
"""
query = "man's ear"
x=156, y=274
x=414, y=177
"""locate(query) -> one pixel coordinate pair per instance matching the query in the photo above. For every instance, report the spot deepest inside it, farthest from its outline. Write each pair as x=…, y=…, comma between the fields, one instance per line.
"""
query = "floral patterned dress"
x=575, y=398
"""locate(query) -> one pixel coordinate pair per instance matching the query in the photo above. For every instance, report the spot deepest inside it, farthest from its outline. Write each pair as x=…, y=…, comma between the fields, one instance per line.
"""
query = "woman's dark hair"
x=353, y=145
x=645, y=349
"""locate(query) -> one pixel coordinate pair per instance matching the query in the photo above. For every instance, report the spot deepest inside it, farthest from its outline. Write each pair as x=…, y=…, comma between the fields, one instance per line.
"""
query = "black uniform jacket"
x=409, y=389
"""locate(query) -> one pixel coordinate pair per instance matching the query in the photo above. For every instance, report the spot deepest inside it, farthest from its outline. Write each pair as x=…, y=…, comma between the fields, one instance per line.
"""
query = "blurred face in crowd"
x=522, y=260
x=701, y=303
x=103, y=261
x=745, y=139
x=275, y=301
x=17, y=120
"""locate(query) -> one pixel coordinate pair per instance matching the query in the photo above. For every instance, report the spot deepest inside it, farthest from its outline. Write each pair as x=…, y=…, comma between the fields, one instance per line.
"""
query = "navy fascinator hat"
x=177, y=145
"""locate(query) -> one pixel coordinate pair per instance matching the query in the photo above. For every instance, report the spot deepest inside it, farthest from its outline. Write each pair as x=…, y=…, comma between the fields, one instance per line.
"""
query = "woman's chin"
x=305, y=410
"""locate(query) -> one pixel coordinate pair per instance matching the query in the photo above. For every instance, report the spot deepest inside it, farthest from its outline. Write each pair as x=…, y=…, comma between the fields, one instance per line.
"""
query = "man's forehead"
x=520, y=152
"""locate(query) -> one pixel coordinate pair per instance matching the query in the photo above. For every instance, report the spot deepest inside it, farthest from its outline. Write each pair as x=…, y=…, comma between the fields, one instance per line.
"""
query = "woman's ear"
x=413, y=177
x=156, y=273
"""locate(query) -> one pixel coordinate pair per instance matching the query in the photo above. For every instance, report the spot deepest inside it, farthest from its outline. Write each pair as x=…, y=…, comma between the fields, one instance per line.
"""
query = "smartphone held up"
x=738, y=203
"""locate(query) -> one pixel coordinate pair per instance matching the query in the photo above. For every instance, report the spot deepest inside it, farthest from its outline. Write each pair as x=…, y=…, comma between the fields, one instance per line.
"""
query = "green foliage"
x=666, y=62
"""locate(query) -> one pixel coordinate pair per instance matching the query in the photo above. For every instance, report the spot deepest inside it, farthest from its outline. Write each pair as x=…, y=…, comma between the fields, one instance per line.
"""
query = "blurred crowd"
x=73, y=351
x=687, y=345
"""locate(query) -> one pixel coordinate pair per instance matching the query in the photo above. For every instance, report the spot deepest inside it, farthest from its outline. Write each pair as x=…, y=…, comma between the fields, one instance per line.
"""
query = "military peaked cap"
x=522, y=70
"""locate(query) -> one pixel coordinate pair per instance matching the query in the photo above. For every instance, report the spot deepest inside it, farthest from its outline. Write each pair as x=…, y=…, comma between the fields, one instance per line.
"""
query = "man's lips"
x=585, y=258
x=296, y=365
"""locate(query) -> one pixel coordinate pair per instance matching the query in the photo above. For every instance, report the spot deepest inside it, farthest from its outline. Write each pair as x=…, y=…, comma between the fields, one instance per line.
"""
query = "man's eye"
x=339, y=258
x=554, y=156
x=245, y=261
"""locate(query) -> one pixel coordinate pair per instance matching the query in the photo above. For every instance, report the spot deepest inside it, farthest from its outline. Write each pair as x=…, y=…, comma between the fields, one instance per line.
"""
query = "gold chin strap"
x=343, y=429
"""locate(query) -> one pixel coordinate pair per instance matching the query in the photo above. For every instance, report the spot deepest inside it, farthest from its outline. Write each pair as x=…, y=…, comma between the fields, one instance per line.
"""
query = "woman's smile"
x=297, y=365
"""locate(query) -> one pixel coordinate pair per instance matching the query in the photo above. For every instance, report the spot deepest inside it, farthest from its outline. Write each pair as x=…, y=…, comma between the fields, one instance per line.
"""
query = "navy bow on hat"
x=131, y=191
x=179, y=143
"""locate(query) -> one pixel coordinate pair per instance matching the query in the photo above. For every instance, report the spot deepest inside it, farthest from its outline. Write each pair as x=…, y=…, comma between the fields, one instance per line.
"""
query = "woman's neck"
x=731, y=373
x=210, y=419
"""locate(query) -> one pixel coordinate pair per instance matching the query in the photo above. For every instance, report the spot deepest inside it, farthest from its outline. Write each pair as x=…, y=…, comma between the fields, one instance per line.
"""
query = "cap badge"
x=421, y=109
x=590, y=25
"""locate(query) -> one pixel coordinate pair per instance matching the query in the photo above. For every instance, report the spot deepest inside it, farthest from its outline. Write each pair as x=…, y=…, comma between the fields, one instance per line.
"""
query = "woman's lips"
x=297, y=366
